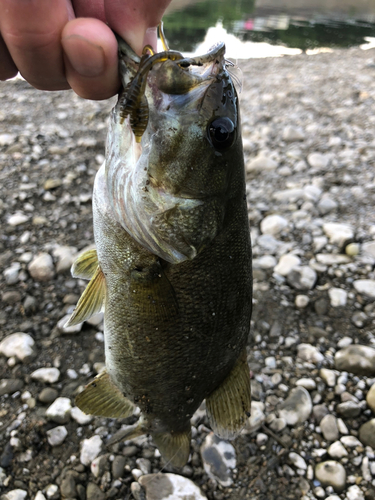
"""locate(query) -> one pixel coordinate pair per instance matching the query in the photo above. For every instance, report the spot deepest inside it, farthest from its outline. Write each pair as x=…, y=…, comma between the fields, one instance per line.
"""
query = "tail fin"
x=174, y=447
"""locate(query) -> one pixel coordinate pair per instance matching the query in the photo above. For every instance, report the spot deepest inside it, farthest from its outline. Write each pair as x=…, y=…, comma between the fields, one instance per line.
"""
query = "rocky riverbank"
x=309, y=140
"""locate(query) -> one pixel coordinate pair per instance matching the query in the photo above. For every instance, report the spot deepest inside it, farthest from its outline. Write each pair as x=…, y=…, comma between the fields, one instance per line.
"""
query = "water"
x=260, y=28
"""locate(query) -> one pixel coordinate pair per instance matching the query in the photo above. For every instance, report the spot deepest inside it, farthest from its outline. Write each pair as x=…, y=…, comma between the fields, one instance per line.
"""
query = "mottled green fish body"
x=172, y=267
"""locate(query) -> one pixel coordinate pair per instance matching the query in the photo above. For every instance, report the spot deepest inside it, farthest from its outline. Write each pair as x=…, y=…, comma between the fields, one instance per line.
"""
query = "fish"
x=172, y=264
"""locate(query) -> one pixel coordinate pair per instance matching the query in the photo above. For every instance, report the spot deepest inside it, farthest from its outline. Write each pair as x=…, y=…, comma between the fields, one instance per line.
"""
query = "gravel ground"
x=309, y=138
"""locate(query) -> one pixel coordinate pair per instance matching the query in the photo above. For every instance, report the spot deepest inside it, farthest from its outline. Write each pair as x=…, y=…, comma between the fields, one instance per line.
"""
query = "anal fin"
x=228, y=406
x=91, y=300
x=85, y=265
x=174, y=447
x=101, y=397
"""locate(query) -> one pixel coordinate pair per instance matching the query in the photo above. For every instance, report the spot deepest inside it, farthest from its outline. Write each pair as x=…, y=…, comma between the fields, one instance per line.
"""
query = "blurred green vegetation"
x=186, y=28
x=312, y=35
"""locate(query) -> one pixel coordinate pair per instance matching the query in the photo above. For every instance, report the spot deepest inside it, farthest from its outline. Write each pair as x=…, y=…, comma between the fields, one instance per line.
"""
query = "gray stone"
x=302, y=278
x=90, y=449
x=367, y=433
x=332, y=259
x=359, y=319
x=65, y=256
x=354, y=492
x=297, y=408
x=261, y=163
x=329, y=376
x=286, y=264
x=48, y=395
x=80, y=417
x=337, y=450
x=302, y=301
x=338, y=234
x=17, y=219
x=68, y=486
x=17, y=494
x=297, y=460
x=11, y=297
x=293, y=134
x=318, y=161
x=170, y=487
x=357, y=359
x=118, y=465
x=350, y=441
x=59, y=411
x=328, y=426
x=368, y=248
x=319, y=412
x=52, y=492
x=10, y=385
x=326, y=205
x=338, y=297
x=18, y=344
x=307, y=383
x=57, y=435
x=219, y=459
x=99, y=464
x=288, y=195
x=348, y=409
x=7, y=140
x=331, y=473
x=48, y=375
x=365, y=287
x=273, y=224
x=12, y=274
x=309, y=353
x=257, y=417
x=93, y=492
x=41, y=267
x=370, y=398
x=68, y=329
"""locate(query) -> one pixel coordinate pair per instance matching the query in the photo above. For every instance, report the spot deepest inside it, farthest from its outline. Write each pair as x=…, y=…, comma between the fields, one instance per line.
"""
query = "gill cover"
x=169, y=191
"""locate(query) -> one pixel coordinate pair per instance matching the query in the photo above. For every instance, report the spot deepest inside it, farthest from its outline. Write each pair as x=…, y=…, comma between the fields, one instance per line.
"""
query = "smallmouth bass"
x=172, y=265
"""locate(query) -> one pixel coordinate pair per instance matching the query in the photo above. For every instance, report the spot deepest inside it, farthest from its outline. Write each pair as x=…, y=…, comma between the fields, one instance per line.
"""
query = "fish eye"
x=222, y=133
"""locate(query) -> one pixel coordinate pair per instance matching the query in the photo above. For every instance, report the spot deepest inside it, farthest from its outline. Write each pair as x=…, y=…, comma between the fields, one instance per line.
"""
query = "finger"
x=132, y=18
x=91, y=8
x=7, y=67
x=31, y=30
x=90, y=54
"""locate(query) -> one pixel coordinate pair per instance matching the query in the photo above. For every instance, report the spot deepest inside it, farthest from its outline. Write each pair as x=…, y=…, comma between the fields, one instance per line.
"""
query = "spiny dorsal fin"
x=228, y=407
x=85, y=266
x=175, y=447
x=91, y=300
x=101, y=397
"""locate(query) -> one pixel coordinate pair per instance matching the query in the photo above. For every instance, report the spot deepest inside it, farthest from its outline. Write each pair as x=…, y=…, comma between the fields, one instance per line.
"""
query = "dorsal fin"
x=91, y=300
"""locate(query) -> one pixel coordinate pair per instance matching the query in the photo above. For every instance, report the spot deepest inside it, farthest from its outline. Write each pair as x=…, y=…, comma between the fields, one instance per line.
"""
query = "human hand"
x=63, y=44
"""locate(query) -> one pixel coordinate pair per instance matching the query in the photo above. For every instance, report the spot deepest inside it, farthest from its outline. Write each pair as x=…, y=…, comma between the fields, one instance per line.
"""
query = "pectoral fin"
x=85, y=266
x=101, y=397
x=174, y=447
x=91, y=300
x=229, y=405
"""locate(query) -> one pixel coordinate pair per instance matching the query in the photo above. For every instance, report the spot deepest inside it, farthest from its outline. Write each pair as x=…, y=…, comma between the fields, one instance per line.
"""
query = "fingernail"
x=86, y=57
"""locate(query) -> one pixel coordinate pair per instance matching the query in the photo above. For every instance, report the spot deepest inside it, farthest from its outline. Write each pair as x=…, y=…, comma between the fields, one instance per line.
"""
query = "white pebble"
x=90, y=449
x=302, y=301
x=57, y=435
x=50, y=375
